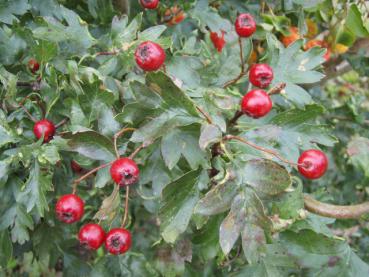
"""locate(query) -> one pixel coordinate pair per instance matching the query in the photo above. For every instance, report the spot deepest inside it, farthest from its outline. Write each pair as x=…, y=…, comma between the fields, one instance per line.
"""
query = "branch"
x=234, y=119
x=335, y=211
x=80, y=179
x=207, y=117
x=277, y=89
x=61, y=123
x=35, y=86
x=117, y=135
x=126, y=207
x=242, y=73
x=262, y=149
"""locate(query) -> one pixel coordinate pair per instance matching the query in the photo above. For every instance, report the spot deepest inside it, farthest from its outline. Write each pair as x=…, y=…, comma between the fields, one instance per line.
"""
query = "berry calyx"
x=44, y=128
x=149, y=4
x=91, y=235
x=256, y=103
x=69, y=208
x=124, y=172
x=245, y=25
x=261, y=75
x=149, y=56
x=218, y=40
x=33, y=65
x=118, y=241
x=312, y=164
x=292, y=37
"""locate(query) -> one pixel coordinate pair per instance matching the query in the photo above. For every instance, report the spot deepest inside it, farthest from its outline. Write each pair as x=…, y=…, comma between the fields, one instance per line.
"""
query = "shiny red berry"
x=118, y=241
x=124, y=172
x=149, y=4
x=33, y=65
x=91, y=235
x=218, y=40
x=44, y=128
x=150, y=56
x=69, y=208
x=245, y=25
x=312, y=164
x=261, y=75
x=256, y=103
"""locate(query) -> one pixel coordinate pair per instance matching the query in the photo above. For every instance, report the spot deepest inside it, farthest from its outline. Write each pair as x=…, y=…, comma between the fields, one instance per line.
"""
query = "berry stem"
x=117, y=135
x=126, y=207
x=234, y=119
x=80, y=179
x=61, y=123
x=135, y=152
x=207, y=116
x=277, y=89
x=335, y=211
x=106, y=53
x=28, y=113
x=249, y=143
x=35, y=86
x=243, y=72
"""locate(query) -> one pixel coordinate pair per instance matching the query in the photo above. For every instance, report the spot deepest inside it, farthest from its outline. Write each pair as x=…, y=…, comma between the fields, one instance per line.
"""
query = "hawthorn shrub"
x=184, y=138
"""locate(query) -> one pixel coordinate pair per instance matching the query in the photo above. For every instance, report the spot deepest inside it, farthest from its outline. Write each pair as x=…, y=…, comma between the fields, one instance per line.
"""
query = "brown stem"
x=277, y=89
x=61, y=123
x=135, y=152
x=126, y=207
x=207, y=117
x=117, y=135
x=80, y=179
x=335, y=211
x=249, y=143
x=242, y=73
x=28, y=113
x=234, y=119
x=106, y=53
x=35, y=86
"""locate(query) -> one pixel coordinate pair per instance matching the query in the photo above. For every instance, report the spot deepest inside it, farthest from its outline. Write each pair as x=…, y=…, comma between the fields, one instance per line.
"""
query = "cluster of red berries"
x=312, y=163
x=70, y=208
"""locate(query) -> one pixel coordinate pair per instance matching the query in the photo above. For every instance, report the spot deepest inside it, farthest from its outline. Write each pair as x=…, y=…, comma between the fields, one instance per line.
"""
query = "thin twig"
x=28, y=113
x=126, y=207
x=335, y=211
x=135, y=152
x=80, y=179
x=277, y=89
x=271, y=152
x=207, y=117
x=35, y=86
x=106, y=53
x=117, y=135
x=61, y=123
x=242, y=73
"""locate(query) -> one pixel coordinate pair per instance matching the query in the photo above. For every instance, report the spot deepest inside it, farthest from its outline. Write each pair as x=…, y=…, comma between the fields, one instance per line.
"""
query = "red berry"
x=69, y=208
x=118, y=241
x=313, y=164
x=150, y=56
x=91, y=235
x=218, y=41
x=33, y=65
x=44, y=128
x=124, y=172
x=245, y=25
x=256, y=103
x=261, y=75
x=149, y=4
x=76, y=167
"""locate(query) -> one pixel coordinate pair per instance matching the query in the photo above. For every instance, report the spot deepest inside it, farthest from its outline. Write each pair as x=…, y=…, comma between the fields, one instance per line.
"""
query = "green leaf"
x=358, y=151
x=253, y=243
x=265, y=176
x=218, y=199
x=6, y=248
x=171, y=94
x=36, y=187
x=45, y=50
x=92, y=145
x=209, y=134
x=178, y=201
x=182, y=142
x=152, y=33
x=355, y=23
x=19, y=221
x=8, y=10
x=145, y=96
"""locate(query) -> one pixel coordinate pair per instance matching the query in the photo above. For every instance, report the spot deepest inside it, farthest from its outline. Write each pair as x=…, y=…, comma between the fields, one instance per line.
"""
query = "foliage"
x=204, y=205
